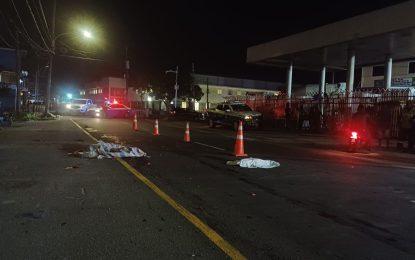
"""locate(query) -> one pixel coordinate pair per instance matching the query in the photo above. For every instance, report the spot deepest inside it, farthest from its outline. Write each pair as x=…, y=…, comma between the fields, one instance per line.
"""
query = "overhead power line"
x=6, y=25
x=24, y=32
x=5, y=42
x=43, y=16
x=37, y=26
x=39, y=17
x=12, y=35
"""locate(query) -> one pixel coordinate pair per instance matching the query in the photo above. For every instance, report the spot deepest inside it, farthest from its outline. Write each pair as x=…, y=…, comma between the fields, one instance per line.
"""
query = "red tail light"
x=353, y=135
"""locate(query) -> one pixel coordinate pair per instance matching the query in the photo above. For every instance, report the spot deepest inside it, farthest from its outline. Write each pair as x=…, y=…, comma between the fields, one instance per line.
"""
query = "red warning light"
x=354, y=135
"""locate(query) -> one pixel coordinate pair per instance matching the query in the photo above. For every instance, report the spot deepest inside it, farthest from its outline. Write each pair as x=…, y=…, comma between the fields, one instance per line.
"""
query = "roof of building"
x=237, y=82
x=372, y=36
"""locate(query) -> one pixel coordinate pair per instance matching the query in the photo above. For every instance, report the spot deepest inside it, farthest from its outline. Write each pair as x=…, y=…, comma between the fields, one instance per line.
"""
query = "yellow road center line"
x=83, y=130
x=213, y=236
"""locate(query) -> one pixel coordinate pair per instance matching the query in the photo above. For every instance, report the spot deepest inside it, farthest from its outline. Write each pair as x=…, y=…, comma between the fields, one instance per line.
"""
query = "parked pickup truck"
x=229, y=114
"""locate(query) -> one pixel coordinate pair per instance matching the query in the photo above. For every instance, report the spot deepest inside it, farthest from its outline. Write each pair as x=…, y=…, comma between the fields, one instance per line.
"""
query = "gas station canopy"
x=388, y=32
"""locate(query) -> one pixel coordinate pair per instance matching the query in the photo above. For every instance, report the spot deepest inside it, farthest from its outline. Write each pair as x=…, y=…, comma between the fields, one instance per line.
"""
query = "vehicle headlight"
x=248, y=117
x=68, y=106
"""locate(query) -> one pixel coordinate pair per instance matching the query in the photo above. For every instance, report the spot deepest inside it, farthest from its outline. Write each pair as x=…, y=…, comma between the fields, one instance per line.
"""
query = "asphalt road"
x=321, y=203
x=57, y=206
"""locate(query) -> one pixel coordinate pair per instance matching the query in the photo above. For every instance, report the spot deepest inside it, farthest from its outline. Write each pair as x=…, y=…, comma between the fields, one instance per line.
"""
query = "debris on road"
x=91, y=130
x=102, y=150
x=33, y=215
x=254, y=163
x=111, y=138
x=71, y=167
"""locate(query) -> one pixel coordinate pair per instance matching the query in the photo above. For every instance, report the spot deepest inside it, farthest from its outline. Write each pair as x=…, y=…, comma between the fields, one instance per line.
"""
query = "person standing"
x=411, y=135
x=287, y=115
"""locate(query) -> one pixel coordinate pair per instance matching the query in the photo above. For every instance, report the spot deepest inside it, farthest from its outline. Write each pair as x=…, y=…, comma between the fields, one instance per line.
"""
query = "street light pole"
x=127, y=74
x=18, y=70
x=176, y=87
x=37, y=82
x=51, y=56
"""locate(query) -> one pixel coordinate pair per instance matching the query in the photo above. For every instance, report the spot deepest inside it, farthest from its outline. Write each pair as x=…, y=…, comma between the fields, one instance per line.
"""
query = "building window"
x=100, y=90
x=378, y=71
x=411, y=67
x=219, y=91
x=230, y=92
x=239, y=93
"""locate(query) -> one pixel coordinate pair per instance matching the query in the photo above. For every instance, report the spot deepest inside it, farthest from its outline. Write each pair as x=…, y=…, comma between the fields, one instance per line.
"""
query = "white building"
x=220, y=89
x=403, y=75
x=108, y=88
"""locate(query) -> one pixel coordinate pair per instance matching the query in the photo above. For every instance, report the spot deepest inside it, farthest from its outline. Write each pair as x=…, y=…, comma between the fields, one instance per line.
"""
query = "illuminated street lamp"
x=86, y=35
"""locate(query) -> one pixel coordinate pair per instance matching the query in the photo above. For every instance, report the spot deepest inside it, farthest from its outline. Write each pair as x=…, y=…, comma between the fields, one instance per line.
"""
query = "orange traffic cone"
x=187, y=133
x=239, y=144
x=135, y=123
x=156, y=127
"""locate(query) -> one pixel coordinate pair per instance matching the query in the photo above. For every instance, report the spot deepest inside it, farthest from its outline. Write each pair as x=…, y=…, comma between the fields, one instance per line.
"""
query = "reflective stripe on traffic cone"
x=239, y=144
x=156, y=127
x=135, y=123
x=187, y=133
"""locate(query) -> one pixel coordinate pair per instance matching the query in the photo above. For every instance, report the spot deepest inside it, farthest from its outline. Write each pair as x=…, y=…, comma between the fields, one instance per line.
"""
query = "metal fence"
x=34, y=108
x=333, y=112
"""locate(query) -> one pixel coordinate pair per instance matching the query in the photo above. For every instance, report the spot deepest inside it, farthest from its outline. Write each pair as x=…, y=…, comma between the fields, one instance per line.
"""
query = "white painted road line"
x=211, y=146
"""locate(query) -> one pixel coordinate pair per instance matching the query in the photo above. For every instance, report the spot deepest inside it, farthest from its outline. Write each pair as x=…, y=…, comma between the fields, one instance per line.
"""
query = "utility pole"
x=176, y=87
x=207, y=93
x=127, y=73
x=37, y=82
x=17, y=95
x=51, y=56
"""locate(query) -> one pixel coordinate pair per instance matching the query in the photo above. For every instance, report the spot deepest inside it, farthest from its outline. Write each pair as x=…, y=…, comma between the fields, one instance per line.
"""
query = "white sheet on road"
x=258, y=163
x=102, y=150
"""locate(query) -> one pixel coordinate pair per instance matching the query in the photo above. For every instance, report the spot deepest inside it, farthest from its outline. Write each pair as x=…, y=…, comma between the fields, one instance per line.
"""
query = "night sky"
x=212, y=34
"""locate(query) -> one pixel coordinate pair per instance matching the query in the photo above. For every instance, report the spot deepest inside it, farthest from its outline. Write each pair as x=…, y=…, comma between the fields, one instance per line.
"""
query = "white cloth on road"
x=258, y=163
x=102, y=150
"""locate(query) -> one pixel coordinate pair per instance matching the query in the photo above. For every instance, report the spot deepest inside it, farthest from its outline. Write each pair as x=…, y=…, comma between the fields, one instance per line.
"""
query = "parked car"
x=186, y=114
x=116, y=110
x=81, y=107
x=229, y=114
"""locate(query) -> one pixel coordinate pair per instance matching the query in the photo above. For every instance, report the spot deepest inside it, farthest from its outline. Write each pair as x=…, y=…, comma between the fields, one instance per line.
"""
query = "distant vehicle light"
x=97, y=114
x=248, y=117
x=98, y=110
x=354, y=135
x=115, y=101
x=68, y=106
